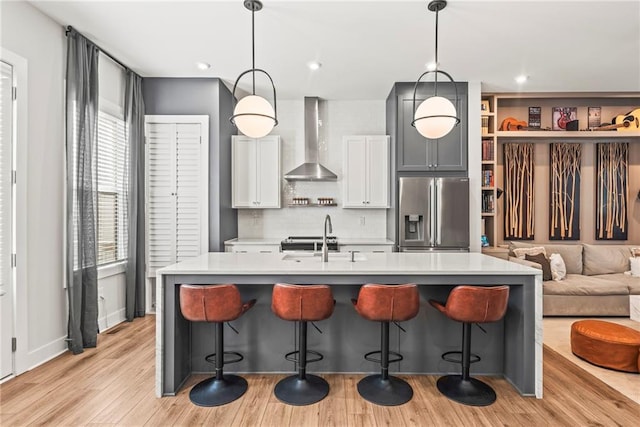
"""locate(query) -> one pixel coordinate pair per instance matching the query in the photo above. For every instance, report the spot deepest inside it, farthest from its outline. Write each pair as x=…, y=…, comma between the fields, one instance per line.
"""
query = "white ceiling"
x=366, y=46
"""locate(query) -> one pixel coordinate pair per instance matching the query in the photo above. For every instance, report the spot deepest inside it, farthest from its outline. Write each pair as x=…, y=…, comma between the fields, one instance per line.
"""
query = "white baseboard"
x=107, y=322
x=45, y=353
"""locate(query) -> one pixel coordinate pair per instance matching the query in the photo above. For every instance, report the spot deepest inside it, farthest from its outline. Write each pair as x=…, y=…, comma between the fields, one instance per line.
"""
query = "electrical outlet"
x=362, y=219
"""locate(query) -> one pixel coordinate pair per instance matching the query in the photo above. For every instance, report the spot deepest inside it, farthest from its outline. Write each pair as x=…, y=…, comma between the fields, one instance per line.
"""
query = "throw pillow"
x=635, y=252
x=521, y=252
x=558, y=269
x=544, y=263
x=635, y=266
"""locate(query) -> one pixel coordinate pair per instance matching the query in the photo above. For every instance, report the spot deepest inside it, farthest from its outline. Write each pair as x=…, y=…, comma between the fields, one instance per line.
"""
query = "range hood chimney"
x=311, y=169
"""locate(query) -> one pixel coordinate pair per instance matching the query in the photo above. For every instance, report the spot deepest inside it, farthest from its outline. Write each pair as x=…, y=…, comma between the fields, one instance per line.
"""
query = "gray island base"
x=511, y=348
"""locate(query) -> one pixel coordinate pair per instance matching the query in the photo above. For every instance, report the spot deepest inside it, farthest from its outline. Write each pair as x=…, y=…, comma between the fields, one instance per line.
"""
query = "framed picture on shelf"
x=484, y=106
x=562, y=116
x=534, y=117
x=594, y=117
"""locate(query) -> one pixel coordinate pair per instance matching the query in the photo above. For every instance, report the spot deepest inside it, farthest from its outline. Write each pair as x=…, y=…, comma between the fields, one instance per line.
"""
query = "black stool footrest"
x=458, y=357
x=211, y=358
x=294, y=356
x=370, y=358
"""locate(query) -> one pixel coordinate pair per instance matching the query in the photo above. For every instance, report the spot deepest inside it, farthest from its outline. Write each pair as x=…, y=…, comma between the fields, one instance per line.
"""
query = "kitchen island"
x=511, y=348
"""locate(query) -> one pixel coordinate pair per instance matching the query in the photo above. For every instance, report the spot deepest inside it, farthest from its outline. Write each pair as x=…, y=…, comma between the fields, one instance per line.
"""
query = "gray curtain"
x=81, y=138
x=134, y=116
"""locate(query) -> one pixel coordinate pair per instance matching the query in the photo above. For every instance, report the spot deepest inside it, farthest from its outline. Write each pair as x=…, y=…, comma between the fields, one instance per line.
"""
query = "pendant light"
x=253, y=115
x=435, y=116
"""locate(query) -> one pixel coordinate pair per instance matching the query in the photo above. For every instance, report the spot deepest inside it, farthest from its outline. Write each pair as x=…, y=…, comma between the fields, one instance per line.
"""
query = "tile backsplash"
x=339, y=118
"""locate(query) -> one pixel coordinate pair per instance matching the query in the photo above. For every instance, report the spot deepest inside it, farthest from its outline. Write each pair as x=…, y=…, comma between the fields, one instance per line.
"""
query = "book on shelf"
x=487, y=178
x=485, y=125
x=488, y=203
x=535, y=120
x=487, y=150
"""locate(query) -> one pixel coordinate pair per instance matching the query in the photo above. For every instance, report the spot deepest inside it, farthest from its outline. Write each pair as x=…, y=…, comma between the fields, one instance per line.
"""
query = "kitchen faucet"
x=325, y=248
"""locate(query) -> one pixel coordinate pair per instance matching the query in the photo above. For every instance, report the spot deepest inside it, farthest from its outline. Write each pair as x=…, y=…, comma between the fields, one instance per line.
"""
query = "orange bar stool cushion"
x=388, y=303
x=606, y=344
x=212, y=303
x=475, y=304
x=302, y=303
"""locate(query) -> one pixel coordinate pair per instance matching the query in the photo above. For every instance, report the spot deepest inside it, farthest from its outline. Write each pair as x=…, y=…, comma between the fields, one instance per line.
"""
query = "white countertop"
x=341, y=241
x=395, y=263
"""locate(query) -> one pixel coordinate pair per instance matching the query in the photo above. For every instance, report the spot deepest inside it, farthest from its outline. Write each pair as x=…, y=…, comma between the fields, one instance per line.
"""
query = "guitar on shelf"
x=624, y=122
x=511, y=124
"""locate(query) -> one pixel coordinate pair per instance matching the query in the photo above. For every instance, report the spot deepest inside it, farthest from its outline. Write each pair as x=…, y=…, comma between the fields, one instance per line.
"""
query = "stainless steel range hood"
x=311, y=169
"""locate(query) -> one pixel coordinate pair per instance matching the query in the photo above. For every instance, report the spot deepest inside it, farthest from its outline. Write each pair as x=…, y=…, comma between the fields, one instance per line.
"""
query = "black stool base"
x=390, y=392
x=297, y=392
x=213, y=392
x=472, y=392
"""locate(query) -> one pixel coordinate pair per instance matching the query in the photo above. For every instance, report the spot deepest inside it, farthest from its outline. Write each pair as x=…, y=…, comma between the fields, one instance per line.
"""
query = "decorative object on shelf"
x=484, y=242
x=436, y=116
x=562, y=115
x=484, y=106
x=511, y=123
x=564, y=210
x=624, y=122
x=325, y=201
x=300, y=201
x=535, y=117
x=253, y=115
x=612, y=190
x=518, y=190
x=594, y=116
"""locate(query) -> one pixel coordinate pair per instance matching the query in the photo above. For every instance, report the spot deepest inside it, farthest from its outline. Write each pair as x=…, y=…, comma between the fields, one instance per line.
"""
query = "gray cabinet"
x=415, y=153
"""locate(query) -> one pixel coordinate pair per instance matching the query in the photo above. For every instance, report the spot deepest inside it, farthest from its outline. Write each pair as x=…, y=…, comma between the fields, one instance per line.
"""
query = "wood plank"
x=113, y=384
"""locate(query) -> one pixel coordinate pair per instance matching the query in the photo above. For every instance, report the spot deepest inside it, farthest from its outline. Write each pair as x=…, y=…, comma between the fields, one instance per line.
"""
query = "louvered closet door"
x=161, y=203
x=188, y=189
x=177, y=189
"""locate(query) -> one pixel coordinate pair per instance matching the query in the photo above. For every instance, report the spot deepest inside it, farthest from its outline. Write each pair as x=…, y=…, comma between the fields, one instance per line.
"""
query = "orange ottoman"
x=606, y=344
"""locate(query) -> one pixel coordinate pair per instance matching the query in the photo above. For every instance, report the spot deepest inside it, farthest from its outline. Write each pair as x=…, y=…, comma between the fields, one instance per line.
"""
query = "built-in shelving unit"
x=488, y=177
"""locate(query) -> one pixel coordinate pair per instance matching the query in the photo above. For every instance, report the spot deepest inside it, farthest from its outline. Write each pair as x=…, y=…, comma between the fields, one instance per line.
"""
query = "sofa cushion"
x=570, y=253
x=577, y=284
x=605, y=259
x=632, y=283
x=544, y=263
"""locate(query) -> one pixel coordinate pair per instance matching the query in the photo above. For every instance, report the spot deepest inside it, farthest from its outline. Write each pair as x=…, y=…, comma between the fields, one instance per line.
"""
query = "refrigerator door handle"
x=438, y=216
x=432, y=225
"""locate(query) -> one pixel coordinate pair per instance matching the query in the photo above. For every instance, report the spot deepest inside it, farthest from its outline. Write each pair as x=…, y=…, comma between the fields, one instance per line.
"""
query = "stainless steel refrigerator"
x=433, y=214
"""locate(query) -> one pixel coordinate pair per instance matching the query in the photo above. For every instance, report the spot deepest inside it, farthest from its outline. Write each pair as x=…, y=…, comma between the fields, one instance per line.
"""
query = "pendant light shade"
x=436, y=116
x=253, y=115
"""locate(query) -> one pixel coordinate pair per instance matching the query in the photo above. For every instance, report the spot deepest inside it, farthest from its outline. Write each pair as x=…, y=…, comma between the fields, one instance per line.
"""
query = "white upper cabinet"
x=366, y=171
x=256, y=172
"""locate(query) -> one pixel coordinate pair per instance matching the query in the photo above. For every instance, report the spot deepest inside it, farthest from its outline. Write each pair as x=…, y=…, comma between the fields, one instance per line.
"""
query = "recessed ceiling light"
x=203, y=66
x=521, y=79
x=431, y=66
x=314, y=65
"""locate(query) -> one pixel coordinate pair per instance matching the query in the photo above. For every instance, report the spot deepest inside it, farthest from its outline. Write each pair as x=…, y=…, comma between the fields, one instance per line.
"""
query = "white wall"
x=35, y=37
x=340, y=118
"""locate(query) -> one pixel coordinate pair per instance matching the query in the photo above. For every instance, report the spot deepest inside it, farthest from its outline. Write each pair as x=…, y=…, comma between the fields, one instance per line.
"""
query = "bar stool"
x=302, y=303
x=384, y=304
x=470, y=304
x=215, y=304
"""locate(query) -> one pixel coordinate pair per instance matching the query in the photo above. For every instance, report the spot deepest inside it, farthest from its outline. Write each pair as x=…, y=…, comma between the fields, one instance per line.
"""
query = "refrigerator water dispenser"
x=413, y=227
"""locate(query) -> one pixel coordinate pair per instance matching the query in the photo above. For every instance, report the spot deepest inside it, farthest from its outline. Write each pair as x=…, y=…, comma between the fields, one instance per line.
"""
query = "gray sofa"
x=596, y=283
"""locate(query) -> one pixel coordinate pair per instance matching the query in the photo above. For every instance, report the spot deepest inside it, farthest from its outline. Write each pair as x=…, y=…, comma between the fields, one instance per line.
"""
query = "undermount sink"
x=317, y=257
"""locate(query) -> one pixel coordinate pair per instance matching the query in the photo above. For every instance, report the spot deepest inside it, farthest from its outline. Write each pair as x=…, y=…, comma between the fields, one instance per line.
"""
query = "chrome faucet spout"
x=325, y=248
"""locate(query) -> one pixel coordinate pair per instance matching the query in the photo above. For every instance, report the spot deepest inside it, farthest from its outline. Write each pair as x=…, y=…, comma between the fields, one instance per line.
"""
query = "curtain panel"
x=135, y=276
x=81, y=242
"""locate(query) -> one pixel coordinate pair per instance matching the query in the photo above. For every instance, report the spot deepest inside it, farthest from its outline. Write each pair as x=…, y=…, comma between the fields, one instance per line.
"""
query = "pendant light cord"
x=253, y=48
x=436, y=73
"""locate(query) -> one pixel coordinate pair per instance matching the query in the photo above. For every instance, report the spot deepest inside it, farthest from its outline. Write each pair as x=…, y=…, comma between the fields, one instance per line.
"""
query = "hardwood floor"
x=114, y=385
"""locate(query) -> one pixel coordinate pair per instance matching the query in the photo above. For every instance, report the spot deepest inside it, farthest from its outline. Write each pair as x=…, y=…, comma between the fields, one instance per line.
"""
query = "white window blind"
x=113, y=180
x=6, y=106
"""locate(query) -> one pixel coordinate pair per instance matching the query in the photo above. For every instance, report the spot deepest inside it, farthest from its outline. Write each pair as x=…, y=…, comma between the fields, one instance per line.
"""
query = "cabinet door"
x=377, y=166
x=243, y=173
x=355, y=172
x=268, y=172
x=413, y=148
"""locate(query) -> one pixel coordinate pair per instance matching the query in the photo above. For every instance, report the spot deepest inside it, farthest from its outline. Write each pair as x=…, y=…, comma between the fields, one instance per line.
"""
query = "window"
x=112, y=177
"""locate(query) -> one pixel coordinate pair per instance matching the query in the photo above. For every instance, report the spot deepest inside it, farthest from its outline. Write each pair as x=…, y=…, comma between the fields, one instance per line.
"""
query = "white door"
x=378, y=171
x=6, y=209
x=268, y=182
x=355, y=172
x=244, y=162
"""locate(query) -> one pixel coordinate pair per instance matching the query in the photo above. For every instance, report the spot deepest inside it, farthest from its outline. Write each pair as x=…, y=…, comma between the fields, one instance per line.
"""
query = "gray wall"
x=175, y=96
